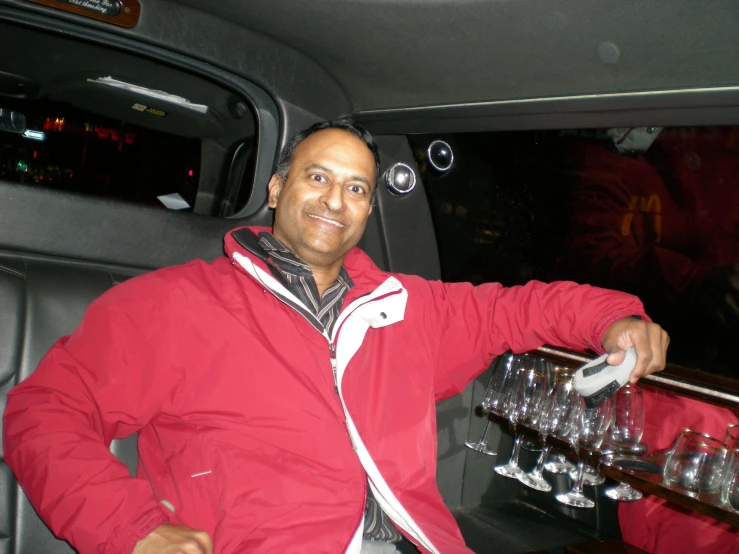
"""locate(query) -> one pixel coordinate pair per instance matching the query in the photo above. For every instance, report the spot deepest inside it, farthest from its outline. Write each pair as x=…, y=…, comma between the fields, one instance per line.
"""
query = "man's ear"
x=274, y=188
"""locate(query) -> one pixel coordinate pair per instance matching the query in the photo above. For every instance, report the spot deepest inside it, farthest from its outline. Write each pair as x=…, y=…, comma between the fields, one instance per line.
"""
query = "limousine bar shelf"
x=650, y=483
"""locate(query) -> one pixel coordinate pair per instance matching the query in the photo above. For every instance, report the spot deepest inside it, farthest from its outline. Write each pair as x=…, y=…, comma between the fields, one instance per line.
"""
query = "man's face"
x=321, y=209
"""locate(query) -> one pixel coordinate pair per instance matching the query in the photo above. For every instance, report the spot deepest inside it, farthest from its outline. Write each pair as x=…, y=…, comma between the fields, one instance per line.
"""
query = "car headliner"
x=399, y=53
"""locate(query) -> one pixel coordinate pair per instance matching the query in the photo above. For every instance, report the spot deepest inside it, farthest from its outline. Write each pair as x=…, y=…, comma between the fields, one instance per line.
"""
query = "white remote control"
x=596, y=381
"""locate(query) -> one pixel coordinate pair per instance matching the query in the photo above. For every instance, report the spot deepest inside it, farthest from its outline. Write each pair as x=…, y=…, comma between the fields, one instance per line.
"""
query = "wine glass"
x=556, y=373
x=498, y=386
x=730, y=483
x=593, y=423
x=626, y=433
x=555, y=420
x=696, y=463
x=525, y=406
x=542, y=365
x=504, y=382
x=558, y=463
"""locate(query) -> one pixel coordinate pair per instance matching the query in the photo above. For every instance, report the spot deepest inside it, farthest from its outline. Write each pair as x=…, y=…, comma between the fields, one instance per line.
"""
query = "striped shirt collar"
x=301, y=283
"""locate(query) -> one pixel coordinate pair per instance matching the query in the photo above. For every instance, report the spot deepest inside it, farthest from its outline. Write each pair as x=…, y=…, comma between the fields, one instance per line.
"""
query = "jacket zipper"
x=332, y=354
x=332, y=357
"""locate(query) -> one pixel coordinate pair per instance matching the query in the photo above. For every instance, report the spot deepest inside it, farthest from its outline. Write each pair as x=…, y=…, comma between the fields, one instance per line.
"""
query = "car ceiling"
x=400, y=53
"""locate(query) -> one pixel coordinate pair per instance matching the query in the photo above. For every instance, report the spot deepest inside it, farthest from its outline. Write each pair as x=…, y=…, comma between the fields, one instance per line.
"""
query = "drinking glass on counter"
x=525, y=406
x=558, y=463
x=498, y=390
x=504, y=381
x=730, y=483
x=626, y=432
x=556, y=420
x=696, y=463
x=589, y=430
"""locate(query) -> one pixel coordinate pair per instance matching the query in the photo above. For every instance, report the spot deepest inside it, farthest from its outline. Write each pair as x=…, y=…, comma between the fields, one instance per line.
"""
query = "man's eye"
x=356, y=189
x=318, y=178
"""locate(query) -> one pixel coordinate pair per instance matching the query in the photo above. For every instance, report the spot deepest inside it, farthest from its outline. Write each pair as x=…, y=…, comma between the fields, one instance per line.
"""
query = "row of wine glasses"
x=532, y=391
x=529, y=390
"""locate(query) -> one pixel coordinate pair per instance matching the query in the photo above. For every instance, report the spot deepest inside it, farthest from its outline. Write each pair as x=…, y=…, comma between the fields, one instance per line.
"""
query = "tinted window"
x=649, y=211
x=91, y=154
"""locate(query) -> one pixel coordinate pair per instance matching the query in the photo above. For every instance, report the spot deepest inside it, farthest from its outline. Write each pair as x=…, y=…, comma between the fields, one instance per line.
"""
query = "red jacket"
x=233, y=394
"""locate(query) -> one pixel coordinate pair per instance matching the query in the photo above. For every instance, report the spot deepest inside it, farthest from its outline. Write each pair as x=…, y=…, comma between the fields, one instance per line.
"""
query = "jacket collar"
x=362, y=270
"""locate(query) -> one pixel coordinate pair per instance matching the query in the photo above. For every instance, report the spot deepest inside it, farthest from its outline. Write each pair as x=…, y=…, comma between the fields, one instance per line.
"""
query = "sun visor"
x=136, y=104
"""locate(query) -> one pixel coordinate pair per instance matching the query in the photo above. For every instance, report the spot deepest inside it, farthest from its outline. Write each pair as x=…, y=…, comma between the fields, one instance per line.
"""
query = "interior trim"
x=662, y=95
x=684, y=107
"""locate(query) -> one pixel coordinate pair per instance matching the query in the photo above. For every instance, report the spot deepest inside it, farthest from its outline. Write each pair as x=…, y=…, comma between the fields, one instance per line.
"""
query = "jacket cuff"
x=605, y=322
x=141, y=527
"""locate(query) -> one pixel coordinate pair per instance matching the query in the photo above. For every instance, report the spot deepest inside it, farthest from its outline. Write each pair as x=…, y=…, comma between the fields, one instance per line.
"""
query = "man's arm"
x=475, y=324
x=105, y=381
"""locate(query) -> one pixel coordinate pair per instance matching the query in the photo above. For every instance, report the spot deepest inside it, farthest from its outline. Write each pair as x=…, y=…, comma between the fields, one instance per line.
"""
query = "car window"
x=68, y=149
x=108, y=123
x=649, y=211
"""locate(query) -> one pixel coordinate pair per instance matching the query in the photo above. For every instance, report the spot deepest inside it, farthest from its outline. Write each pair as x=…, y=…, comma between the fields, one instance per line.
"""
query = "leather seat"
x=41, y=300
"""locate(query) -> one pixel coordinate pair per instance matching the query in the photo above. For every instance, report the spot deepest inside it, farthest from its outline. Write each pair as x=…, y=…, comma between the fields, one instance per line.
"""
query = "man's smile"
x=327, y=220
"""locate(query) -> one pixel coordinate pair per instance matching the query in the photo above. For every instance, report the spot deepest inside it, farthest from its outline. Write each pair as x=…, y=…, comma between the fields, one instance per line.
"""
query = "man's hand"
x=174, y=539
x=648, y=339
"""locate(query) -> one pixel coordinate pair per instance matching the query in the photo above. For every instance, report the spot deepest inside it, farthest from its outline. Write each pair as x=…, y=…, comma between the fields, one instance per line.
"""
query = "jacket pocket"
x=198, y=481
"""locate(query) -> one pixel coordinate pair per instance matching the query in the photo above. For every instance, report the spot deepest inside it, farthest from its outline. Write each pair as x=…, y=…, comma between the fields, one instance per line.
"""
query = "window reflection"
x=649, y=210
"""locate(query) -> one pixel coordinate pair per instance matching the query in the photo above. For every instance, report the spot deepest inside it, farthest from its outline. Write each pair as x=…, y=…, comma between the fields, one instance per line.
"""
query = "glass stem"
x=540, y=462
x=484, y=432
x=516, y=451
x=577, y=485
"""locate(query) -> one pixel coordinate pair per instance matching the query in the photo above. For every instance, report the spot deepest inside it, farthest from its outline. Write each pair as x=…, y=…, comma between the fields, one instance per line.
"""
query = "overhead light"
x=34, y=135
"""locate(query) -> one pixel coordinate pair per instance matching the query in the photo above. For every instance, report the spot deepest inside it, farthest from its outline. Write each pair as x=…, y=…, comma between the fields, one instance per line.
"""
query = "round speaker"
x=440, y=156
x=400, y=178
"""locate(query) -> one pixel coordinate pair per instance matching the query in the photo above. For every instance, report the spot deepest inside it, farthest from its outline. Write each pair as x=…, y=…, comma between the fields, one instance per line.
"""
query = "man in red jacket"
x=284, y=394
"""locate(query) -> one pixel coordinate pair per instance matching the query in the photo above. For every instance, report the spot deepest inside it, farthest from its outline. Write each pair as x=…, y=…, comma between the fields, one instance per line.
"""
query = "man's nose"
x=334, y=197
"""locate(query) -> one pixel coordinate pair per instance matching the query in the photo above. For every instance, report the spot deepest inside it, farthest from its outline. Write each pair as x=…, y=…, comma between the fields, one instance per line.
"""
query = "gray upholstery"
x=40, y=301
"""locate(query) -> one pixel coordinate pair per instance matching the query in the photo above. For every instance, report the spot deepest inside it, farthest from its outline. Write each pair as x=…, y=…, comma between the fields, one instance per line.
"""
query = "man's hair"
x=345, y=124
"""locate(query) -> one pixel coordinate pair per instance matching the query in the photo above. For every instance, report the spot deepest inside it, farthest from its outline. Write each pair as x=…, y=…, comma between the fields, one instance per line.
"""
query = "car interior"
x=135, y=133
